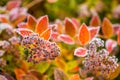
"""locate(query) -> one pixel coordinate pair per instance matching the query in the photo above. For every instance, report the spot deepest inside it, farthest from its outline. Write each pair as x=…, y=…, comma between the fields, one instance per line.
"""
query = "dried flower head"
x=14, y=40
x=3, y=77
x=40, y=49
x=98, y=60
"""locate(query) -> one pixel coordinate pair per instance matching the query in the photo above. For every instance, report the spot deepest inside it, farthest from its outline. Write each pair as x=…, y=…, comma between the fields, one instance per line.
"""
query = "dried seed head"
x=40, y=49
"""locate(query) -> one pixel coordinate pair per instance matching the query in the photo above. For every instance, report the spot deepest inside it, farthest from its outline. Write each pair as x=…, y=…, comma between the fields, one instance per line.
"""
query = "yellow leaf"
x=116, y=73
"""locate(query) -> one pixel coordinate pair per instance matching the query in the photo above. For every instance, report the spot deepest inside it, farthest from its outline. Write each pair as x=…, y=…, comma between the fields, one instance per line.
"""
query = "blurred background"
x=81, y=9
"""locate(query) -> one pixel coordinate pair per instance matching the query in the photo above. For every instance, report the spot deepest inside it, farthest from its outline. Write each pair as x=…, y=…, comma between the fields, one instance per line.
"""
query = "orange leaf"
x=31, y=22
x=107, y=28
x=24, y=66
x=60, y=63
x=42, y=24
x=19, y=73
x=46, y=34
x=118, y=40
x=95, y=21
x=84, y=34
x=75, y=77
x=70, y=27
x=3, y=19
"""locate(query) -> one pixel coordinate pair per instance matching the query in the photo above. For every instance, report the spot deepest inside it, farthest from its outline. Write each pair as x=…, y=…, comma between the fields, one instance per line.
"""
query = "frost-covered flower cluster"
x=40, y=49
x=3, y=77
x=7, y=47
x=98, y=59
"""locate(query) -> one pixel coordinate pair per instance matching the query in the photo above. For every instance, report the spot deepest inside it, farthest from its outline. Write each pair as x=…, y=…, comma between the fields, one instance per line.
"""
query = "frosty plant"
x=97, y=60
x=37, y=41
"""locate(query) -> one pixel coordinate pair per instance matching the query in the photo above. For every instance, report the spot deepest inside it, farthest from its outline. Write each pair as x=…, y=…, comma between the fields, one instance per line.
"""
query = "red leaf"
x=70, y=27
x=66, y=39
x=93, y=31
x=118, y=38
x=110, y=45
x=80, y=52
x=31, y=21
x=116, y=28
x=13, y=4
x=95, y=21
x=22, y=25
x=84, y=34
x=42, y=25
x=54, y=36
x=107, y=28
x=46, y=34
x=24, y=32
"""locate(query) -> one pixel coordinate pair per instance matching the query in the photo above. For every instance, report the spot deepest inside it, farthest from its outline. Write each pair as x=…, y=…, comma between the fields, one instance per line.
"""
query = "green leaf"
x=42, y=67
x=71, y=66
